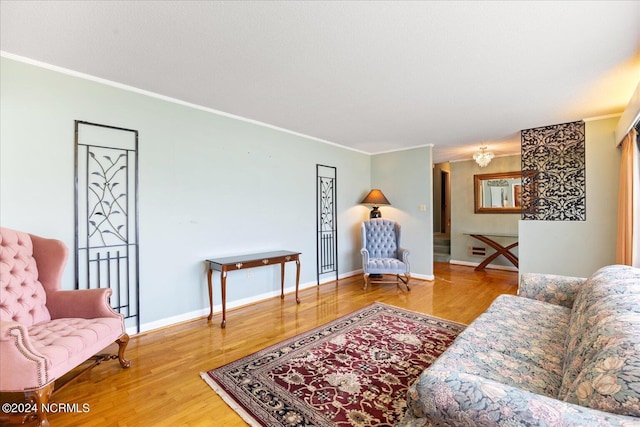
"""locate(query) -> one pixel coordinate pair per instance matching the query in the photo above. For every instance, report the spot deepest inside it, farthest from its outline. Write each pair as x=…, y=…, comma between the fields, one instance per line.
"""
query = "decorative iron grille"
x=327, y=224
x=553, y=173
x=106, y=222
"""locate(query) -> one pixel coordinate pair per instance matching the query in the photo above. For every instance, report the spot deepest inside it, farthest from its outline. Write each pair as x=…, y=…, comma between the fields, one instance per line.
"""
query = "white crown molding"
x=606, y=116
x=404, y=149
x=150, y=94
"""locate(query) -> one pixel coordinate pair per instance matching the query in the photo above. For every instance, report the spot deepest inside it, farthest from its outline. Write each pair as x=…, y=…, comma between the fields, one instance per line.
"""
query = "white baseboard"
x=429, y=277
x=217, y=308
x=168, y=321
x=475, y=264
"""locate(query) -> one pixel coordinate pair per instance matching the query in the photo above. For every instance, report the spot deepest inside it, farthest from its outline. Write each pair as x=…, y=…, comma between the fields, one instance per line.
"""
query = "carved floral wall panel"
x=553, y=173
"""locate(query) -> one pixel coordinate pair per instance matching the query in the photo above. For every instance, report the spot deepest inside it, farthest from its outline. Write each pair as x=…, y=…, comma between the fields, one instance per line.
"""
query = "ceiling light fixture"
x=483, y=157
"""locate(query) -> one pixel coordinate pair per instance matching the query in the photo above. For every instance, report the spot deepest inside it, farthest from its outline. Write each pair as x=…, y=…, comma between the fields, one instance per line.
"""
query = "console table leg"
x=210, y=294
x=297, y=278
x=500, y=250
x=282, y=280
x=223, y=282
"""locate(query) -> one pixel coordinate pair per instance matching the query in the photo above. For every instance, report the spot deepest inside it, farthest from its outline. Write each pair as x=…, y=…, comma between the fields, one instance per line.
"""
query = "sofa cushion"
x=505, y=345
x=22, y=297
x=602, y=361
x=560, y=290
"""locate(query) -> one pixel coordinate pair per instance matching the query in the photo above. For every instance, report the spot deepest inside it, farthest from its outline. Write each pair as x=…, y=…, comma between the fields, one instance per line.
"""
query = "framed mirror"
x=498, y=192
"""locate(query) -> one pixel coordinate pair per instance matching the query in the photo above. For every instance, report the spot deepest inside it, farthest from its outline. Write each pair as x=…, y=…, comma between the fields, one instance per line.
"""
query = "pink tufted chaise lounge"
x=44, y=331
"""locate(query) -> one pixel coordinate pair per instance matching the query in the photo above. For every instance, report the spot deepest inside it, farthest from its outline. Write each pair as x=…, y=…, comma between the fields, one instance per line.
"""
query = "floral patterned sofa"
x=566, y=351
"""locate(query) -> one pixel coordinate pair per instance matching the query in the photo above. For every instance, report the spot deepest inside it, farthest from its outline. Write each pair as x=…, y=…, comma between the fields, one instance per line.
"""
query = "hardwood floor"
x=163, y=386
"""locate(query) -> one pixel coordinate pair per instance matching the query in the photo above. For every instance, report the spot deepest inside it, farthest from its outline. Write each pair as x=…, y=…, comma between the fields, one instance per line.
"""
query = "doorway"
x=442, y=198
x=441, y=212
x=445, y=205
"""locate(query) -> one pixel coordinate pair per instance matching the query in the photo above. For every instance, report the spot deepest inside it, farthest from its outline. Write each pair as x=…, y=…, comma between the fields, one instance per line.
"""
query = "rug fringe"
x=230, y=401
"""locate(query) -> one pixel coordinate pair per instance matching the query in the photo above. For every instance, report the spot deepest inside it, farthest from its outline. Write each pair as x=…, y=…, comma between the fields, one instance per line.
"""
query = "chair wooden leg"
x=122, y=345
x=33, y=404
x=40, y=397
x=366, y=282
x=405, y=280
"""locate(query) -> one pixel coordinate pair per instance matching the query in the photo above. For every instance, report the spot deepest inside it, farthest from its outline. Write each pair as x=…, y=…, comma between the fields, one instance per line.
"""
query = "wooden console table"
x=500, y=249
x=240, y=262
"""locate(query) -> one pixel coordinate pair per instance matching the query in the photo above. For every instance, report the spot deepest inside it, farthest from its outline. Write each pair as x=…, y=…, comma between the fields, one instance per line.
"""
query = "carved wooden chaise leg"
x=122, y=345
x=40, y=398
x=366, y=282
x=28, y=407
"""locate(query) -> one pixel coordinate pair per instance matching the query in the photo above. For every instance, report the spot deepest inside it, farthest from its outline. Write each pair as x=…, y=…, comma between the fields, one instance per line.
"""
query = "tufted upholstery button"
x=381, y=239
x=23, y=296
x=383, y=255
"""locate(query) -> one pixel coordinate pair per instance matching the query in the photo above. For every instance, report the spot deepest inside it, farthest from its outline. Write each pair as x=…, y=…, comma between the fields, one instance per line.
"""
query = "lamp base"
x=375, y=213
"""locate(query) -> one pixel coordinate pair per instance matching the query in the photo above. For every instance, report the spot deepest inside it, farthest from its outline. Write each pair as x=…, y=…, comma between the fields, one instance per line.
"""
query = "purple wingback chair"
x=44, y=331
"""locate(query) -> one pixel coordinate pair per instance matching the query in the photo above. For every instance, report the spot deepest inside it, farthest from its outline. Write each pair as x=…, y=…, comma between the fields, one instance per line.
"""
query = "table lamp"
x=375, y=198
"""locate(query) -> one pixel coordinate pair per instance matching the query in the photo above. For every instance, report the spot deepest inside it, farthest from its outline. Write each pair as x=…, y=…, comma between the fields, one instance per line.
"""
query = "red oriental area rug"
x=353, y=371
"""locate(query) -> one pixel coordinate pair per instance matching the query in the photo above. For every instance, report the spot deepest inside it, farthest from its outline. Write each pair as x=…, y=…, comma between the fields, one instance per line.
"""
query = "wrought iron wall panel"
x=327, y=222
x=553, y=173
x=106, y=195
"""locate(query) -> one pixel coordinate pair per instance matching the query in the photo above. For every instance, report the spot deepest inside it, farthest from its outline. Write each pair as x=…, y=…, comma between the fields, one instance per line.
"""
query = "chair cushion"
x=22, y=296
x=68, y=342
x=386, y=265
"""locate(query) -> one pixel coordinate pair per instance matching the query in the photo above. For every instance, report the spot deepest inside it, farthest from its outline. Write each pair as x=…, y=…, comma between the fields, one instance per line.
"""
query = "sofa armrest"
x=445, y=397
x=22, y=365
x=82, y=303
x=560, y=290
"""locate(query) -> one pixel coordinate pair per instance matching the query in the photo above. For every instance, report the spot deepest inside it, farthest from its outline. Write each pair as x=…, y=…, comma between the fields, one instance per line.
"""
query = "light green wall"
x=209, y=186
x=405, y=177
x=463, y=218
x=578, y=248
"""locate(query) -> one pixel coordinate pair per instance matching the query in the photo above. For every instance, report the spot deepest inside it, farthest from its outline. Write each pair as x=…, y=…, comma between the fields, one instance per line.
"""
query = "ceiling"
x=374, y=76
